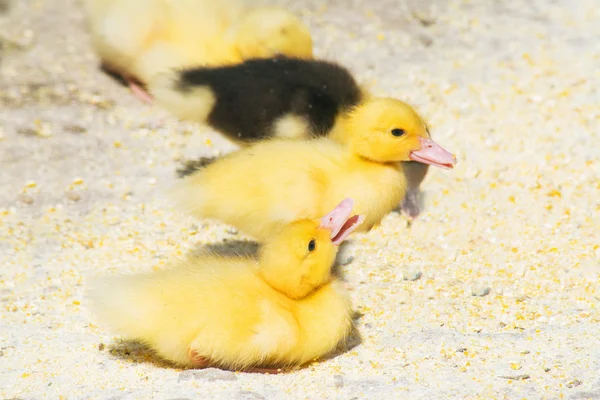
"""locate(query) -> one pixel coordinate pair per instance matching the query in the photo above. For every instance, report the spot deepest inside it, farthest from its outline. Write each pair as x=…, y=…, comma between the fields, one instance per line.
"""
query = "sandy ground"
x=490, y=294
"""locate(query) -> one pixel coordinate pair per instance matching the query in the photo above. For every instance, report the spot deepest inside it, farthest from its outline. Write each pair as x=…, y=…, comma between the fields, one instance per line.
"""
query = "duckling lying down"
x=278, y=181
x=279, y=97
x=283, y=309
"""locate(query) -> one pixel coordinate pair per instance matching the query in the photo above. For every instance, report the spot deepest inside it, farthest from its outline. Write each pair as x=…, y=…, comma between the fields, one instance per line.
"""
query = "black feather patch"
x=252, y=96
x=191, y=166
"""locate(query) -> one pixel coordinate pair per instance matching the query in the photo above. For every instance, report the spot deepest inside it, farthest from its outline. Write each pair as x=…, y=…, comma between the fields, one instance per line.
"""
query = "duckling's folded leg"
x=135, y=87
x=199, y=361
x=139, y=92
x=415, y=173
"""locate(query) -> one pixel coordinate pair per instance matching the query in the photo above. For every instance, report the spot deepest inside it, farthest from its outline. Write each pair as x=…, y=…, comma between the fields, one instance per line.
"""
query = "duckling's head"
x=389, y=130
x=298, y=259
x=266, y=32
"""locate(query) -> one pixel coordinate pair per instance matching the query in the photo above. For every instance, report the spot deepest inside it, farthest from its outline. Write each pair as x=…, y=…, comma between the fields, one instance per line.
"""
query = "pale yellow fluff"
x=279, y=181
x=280, y=310
x=140, y=38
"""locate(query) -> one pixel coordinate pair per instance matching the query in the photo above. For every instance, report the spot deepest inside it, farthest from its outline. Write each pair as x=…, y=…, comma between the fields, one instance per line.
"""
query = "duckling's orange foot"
x=198, y=361
x=139, y=92
x=410, y=207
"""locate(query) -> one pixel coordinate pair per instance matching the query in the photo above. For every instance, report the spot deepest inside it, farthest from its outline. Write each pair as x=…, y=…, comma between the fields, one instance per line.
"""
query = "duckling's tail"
x=125, y=305
x=185, y=101
x=193, y=195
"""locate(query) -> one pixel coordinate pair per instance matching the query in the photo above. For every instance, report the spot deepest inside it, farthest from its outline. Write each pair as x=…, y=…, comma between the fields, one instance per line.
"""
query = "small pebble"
x=4, y=6
x=574, y=383
x=27, y=132
x=209, y=375
x=412, y=275
x=426, y=40
x=338, y=381
x=26, y=199
x=50, y=289
x=516, y=377
x=44, y=130
x=480, y=291
x=77, y=129
x=248, y=395
x=423, y=19
x=73, y=196
x=101, y=346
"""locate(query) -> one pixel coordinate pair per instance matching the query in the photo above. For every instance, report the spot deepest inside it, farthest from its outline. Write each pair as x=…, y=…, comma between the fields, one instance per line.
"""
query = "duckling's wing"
x=259, y=187
x=268, y=338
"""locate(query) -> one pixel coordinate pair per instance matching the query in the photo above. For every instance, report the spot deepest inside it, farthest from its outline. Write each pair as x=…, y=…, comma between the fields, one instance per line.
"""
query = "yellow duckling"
x=137, y=39
x=282, y=180
x=281, y=310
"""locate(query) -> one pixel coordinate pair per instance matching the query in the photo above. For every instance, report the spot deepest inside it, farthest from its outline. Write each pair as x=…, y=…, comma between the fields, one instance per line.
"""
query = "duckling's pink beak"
x=433, y=154
x=340, y=223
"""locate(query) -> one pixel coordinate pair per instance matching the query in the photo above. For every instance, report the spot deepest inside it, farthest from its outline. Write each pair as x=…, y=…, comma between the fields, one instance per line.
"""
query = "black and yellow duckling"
x=281, y=97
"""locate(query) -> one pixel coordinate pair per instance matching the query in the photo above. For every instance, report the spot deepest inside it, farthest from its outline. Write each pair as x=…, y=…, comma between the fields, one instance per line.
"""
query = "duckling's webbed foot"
x=191, y=166
x=410, y=206
x=415, y=173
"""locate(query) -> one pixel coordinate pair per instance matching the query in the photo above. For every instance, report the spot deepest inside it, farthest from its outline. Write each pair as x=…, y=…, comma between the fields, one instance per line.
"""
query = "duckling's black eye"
x=398, y=132
x=311, y=245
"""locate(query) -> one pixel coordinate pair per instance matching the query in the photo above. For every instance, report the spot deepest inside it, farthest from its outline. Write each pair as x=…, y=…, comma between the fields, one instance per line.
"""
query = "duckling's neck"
x=340, y=128
x=343, y=121
x=286, y=284
x=359, y=161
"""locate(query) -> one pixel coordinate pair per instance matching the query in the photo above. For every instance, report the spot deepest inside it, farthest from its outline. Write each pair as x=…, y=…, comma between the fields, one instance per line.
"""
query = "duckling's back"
x=262, y=97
